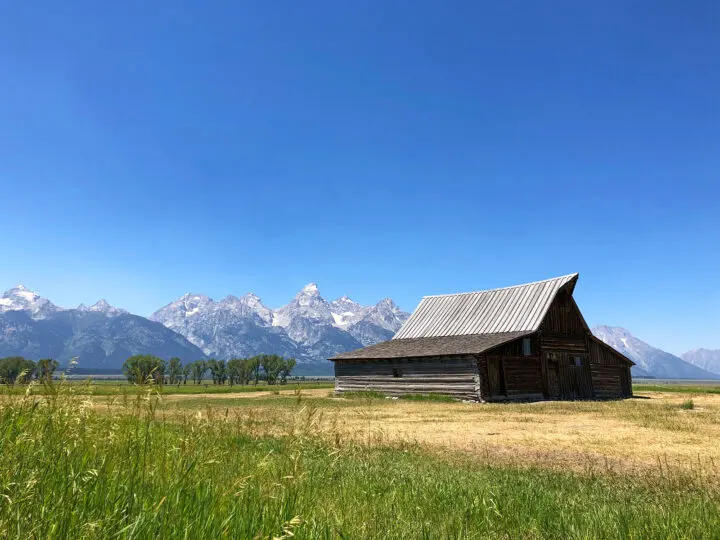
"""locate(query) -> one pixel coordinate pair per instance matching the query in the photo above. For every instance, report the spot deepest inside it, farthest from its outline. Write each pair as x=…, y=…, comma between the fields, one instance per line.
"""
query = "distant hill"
x=649, y=360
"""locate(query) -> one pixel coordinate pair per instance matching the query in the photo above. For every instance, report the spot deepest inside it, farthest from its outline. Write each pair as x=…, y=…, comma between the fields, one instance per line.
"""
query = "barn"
x=527, y=342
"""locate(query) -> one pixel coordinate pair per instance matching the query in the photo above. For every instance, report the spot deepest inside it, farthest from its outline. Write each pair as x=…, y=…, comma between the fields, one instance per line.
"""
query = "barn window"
x=577, y=360
x=397, y=372
x=526, y=347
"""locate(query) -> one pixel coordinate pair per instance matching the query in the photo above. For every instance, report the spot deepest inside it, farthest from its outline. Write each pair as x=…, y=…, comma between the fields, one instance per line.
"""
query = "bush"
x=687, y=405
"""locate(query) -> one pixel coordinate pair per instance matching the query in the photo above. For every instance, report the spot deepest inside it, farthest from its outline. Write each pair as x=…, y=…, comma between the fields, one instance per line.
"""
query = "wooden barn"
x=528, y=342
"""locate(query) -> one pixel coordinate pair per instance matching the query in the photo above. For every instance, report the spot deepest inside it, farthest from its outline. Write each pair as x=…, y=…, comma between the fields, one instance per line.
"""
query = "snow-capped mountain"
x=308, y=327
x=706, y=359
x=649, y=360
x=100, y=336
x=304, y=314
x=20, y=298
x=215, y=326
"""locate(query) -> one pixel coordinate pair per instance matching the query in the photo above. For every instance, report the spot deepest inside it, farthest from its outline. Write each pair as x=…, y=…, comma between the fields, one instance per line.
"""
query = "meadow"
x=80, y=461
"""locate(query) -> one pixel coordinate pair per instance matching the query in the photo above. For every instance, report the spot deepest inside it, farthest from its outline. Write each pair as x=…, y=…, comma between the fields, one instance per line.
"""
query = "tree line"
x=16, y=369
x=271, y=368
x=144, y=368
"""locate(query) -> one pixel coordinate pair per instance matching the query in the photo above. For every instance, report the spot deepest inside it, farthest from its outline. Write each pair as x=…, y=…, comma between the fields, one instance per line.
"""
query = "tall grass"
x=68, y=470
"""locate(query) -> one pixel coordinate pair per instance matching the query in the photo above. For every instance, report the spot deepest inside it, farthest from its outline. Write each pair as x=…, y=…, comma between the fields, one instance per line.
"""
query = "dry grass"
x=651, y=433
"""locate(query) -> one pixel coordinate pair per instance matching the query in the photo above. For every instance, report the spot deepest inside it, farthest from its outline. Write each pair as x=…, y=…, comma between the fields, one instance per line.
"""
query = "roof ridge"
x=504, y=288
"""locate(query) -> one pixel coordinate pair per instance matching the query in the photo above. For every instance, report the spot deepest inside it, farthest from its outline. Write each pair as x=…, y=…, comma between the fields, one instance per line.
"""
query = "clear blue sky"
x=400, y=149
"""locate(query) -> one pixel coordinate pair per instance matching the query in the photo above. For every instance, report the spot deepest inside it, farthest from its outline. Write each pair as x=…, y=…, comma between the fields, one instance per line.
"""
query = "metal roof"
x=511, y=309
x=431, y=346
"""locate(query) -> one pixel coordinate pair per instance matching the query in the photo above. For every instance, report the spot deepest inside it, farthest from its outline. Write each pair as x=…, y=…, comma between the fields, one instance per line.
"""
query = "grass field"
x=301, y=462
x=100, y=387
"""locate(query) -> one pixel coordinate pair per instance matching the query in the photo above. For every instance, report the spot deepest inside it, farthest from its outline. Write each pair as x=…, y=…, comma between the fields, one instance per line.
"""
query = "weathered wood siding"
x=608, y=381
x=507, y=374
x=563, y=319
x=576, y=381
x=453, y=376
x=610, y=372
x=553, y=379
x=522, y=376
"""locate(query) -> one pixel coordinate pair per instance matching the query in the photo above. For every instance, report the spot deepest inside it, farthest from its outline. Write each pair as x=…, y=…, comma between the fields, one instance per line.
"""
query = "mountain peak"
x=102, y=306
x=310, y=288
x=194, y=296
x=21, y=291
x=20, y=298
x=648, y=359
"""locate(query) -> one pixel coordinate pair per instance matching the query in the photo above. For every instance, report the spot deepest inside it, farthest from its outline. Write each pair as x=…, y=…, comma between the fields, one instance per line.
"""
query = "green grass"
x=429, y=397
x=67, y=471
x=363, y=394
x=111, y=388
x=677, y=388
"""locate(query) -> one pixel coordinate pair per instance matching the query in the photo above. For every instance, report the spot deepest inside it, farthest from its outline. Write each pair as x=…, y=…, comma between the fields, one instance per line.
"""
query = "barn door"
x=575, y=379
x=496, y=377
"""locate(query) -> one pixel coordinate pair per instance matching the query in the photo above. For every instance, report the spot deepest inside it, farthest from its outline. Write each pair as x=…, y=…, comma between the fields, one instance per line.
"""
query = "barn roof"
x=432, y=346
x=511, y=309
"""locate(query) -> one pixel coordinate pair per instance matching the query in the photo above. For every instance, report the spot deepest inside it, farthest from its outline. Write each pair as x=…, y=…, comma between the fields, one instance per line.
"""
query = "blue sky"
x=378, y=148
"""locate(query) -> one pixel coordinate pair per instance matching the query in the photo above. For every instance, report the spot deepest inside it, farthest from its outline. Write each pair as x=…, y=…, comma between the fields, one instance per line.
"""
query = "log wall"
x=523, y=378
x=450, y=375
x=610, y=371
x=608, y=381
x=510, y=377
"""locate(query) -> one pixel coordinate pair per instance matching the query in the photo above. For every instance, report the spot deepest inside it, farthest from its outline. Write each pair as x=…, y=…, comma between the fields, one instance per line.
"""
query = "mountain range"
x=308, y=328
x=653, y=362
x=101, y=336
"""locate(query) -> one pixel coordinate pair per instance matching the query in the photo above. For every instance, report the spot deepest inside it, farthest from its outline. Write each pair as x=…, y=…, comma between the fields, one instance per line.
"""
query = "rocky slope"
x=706, y=359
x=649, y=360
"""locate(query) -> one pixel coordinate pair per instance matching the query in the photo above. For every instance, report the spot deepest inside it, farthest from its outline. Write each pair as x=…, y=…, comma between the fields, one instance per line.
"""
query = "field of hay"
x=274, y=463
